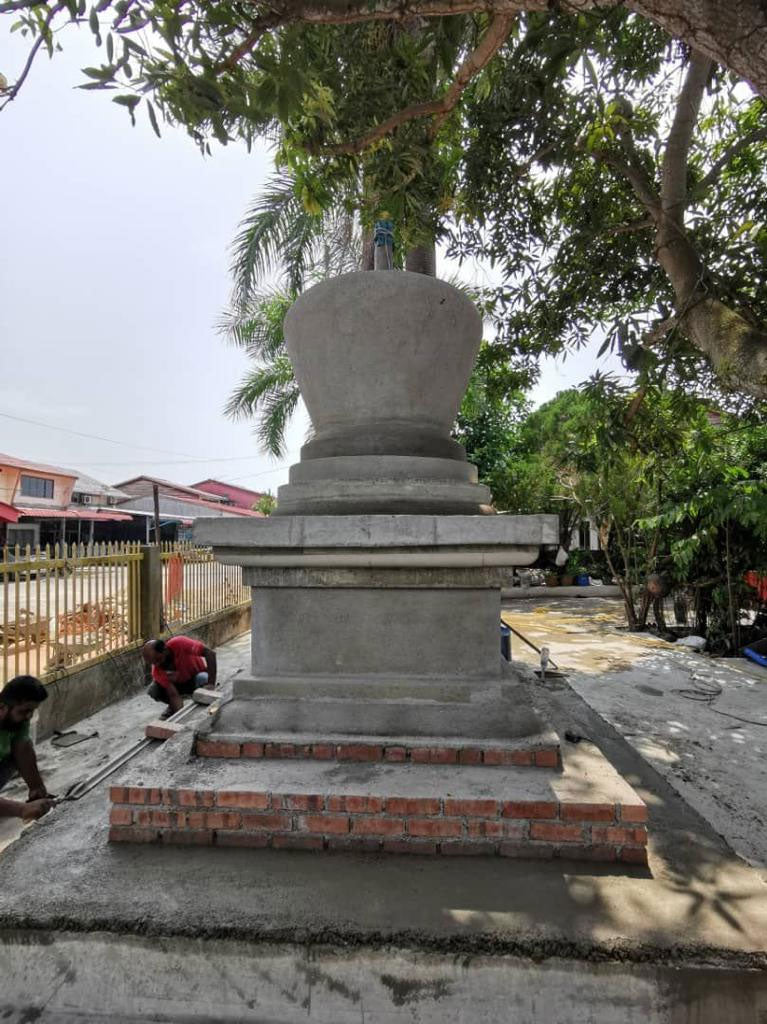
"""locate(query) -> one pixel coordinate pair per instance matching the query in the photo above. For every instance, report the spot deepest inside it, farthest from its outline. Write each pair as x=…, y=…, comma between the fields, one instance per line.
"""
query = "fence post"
x=150, y=588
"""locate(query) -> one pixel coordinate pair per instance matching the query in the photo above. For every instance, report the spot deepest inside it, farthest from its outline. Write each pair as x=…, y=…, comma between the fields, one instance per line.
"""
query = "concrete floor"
x=643, y=687
x=150, y=933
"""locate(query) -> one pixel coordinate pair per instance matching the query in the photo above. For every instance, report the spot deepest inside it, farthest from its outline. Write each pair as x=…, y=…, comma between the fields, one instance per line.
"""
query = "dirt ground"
x=701, y=722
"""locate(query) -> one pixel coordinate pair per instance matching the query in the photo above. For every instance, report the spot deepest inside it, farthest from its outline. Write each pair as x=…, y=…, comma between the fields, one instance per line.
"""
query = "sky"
x=114, y=255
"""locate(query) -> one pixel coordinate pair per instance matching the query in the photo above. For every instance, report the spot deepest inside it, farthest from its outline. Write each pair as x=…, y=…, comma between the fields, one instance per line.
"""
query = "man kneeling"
x=19, y=700
x=179, y=666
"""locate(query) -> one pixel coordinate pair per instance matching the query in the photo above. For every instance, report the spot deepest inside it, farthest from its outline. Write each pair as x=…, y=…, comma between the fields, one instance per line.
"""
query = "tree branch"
x=673, y=191
x=759, y=135
x=14, y=92
x=488, y=46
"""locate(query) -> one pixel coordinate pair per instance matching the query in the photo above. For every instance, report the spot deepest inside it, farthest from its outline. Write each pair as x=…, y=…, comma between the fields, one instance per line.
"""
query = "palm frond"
x=257, y=326
x=268, y=394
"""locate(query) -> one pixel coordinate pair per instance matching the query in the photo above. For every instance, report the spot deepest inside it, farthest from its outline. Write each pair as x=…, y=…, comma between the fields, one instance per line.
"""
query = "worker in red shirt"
x=179, y=666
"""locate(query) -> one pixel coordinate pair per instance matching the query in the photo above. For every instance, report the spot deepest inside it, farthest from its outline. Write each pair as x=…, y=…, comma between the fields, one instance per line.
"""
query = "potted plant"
x=551, y=579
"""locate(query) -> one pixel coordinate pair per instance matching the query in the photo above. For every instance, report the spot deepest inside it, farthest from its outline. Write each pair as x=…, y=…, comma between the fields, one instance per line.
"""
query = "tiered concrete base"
x=584, y=812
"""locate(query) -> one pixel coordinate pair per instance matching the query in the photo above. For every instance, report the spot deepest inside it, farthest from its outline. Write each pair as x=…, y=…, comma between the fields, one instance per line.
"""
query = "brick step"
x=414, y=749
x=585, y=813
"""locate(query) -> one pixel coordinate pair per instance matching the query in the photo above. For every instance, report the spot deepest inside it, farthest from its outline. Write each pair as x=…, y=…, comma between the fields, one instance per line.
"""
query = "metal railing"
x=195, y=585
x=65, y=605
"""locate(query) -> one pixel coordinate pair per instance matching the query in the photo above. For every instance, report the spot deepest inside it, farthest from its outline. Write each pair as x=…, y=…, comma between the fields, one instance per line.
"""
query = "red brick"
x=434, y=755
x=434, y=827
x=324, y=751
x=304, y=802
x=280, y=751
x=521, y=758
x=587, y=812
x=195, y=819
x=178, y=819
x=222, y=819
x=528, y=851
x=206, y=798
x=472, y=808
x=159, y=730
x=410, y=806
x=252, y=839
x=420, y=846
x=395, y=754
x=323, y=823
x=356, y=804
x=378, y=826
x=217, y=748
x=619, y=836
x=137, y=795
x=636, y=812
x=546, y=759
x=498, y=829
x=252, y=750
x=529, y=809
x=143, y=817
x=182, y=837
x=555, y=832
x=360, y=844
x=133, y=835
x=243, y=798
x=118, y=794
x=467, y=849
x=497, y=756
x=169, y=797
x=633, y=855
x=267, y=822
x=162, y=819
x=154, y=796
x=358, y=752
x=121, y=816
x=470, y=755
x=294, y=842
x=589, y=852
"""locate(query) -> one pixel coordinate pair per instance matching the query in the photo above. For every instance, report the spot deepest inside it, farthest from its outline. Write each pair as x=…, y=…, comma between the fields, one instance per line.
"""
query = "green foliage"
x=545, y=197
x=266, y=504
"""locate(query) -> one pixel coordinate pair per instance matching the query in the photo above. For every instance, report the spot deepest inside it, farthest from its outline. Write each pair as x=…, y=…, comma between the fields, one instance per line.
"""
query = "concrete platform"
x=97, y=931
x=585, y=812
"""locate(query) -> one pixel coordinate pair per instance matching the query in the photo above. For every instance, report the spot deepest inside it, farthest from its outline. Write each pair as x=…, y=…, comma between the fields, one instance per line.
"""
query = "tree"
x=732, y=32
x=266, y=504
x=613, y=198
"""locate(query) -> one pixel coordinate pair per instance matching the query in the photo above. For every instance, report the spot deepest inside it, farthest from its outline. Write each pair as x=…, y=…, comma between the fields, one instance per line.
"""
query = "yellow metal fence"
x=65, y=605
x=196, y=585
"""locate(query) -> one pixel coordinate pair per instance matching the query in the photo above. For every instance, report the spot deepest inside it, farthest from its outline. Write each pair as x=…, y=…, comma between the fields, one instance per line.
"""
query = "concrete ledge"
x=552, y=593
x=377, y=531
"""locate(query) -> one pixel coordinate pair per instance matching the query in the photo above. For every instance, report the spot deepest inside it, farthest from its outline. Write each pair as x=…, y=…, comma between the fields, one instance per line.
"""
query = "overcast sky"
x=113, y=270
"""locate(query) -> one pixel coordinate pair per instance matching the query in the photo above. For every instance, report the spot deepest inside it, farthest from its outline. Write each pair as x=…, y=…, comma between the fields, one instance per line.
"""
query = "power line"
x=98, y=437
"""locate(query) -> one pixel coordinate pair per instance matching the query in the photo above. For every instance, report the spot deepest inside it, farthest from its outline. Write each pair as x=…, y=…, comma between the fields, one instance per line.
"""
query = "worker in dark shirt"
x=19, y=699
x=179, y=666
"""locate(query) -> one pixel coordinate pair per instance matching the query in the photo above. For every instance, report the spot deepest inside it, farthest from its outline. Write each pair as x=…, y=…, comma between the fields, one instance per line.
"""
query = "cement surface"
x=698, y=903
x=713, y=754
x=108, y=978
x=507, y=721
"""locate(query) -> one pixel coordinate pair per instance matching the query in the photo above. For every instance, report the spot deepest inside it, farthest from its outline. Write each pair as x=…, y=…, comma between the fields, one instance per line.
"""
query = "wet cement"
x=697, y=903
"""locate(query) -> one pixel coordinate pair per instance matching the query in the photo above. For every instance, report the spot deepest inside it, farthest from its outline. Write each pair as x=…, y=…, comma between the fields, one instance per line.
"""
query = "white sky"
x=113, y=270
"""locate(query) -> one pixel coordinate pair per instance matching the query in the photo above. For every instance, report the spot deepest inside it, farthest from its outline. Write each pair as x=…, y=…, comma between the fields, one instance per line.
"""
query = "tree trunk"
x=422, y=260
x=367, y=260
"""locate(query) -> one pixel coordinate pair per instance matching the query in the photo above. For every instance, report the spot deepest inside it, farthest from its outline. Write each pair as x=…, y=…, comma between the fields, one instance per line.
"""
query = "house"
x=42, y=504
x=179, y=505
x=239, y=496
